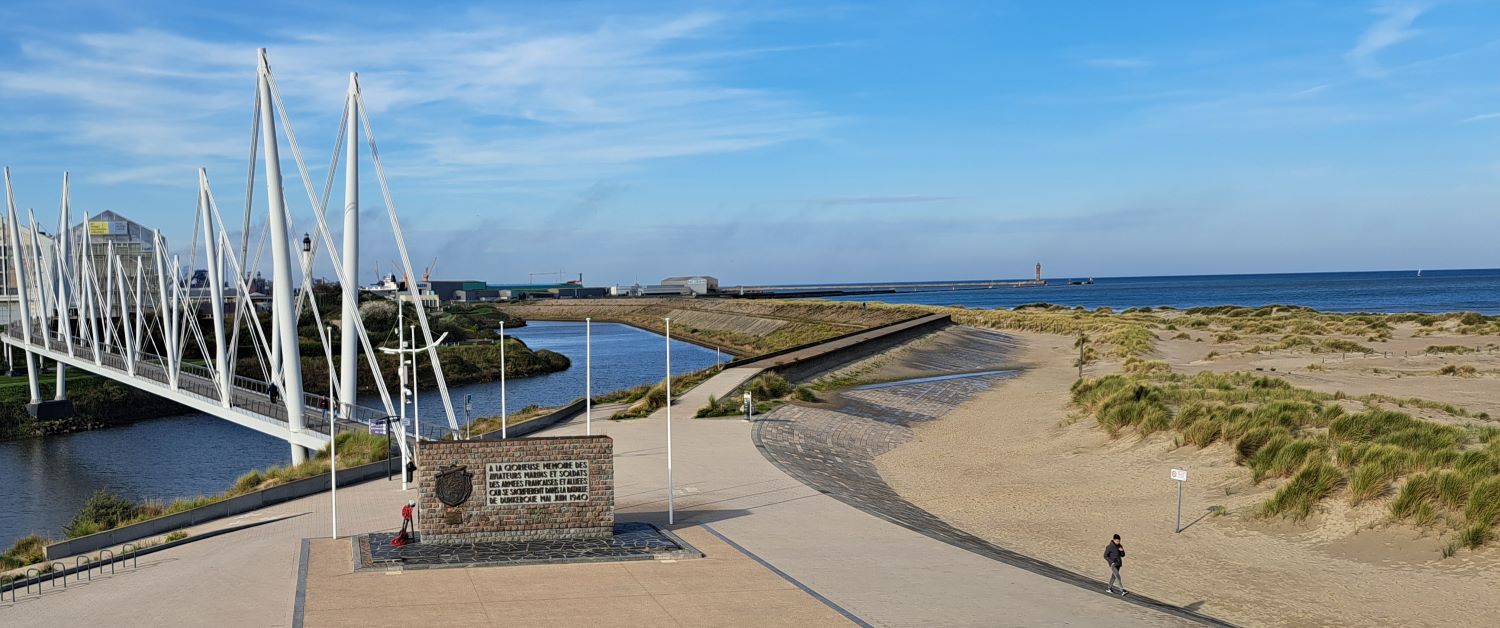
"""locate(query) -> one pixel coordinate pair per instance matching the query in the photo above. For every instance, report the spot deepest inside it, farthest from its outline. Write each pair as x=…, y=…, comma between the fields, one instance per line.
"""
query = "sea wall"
x=802, y=364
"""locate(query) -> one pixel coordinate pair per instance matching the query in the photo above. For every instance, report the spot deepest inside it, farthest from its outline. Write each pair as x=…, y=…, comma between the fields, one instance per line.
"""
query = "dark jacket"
x=1114, y=554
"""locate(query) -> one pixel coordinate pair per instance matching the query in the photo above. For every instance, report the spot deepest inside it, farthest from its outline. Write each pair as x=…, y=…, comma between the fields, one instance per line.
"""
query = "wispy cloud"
x=1482, y=116
x=1393, y=27
x=878, y=200
x=1118, y=63
x=478, y=99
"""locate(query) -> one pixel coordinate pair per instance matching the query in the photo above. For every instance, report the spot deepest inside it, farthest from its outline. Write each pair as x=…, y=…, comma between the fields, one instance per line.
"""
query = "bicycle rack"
x=88, y=567
x=61, y=571
x=38, y=576
x=110, y=562
x=130, y=550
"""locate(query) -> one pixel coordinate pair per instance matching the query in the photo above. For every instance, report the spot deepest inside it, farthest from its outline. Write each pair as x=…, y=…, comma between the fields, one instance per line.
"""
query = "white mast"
x=349, y=343
x=283, y=322
x=23, y=294
x=215, y=289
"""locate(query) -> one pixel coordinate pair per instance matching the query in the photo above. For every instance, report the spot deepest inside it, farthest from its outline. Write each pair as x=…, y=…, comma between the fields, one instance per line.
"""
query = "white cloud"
x=1393, y=27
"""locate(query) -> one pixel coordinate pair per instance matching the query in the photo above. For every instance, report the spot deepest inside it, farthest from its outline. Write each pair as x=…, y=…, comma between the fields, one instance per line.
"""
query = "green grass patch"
x=1444, y=475
x=1298, y=497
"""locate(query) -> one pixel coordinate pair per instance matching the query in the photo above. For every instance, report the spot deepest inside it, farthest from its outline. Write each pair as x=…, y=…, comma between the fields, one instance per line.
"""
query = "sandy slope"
x=1010, y=466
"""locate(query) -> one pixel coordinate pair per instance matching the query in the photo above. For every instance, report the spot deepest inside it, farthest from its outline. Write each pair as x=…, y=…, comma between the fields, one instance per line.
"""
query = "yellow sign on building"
x=98, y=227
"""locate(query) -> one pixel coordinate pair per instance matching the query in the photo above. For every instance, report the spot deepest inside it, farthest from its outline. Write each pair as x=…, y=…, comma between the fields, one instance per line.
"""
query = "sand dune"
x=1012, y=467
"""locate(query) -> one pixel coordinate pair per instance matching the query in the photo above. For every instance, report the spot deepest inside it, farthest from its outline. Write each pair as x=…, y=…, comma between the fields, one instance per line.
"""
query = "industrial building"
x=10, y=292
x=109, y=232
x=698, y=285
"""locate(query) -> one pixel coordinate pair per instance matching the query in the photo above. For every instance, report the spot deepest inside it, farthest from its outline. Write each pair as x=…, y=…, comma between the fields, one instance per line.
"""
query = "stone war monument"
x=521, y=489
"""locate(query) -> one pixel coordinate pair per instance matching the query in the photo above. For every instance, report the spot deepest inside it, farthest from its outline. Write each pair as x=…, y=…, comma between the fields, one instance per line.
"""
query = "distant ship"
x=1419, y=273
x=1075, y=282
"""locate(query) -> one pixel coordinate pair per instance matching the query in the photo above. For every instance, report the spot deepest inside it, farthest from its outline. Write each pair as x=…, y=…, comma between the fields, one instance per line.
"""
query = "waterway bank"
x=48, y=479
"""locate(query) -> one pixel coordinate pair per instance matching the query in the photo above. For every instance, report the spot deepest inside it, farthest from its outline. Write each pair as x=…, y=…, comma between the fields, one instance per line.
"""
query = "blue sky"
x=790, y=142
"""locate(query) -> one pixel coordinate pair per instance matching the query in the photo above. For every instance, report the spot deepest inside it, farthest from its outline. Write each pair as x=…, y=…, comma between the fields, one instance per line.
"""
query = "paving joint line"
x=785, y=576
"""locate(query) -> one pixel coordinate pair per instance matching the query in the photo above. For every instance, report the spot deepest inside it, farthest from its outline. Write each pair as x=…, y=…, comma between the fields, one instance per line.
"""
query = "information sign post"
x=1180, y=475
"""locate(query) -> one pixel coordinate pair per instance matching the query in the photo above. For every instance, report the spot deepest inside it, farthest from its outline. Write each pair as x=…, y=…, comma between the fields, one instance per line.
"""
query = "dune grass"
x=486, y=424
x=1458, y=370
x=1444, y=476
x=26, y=551
x=767, y=389
x=649, y=398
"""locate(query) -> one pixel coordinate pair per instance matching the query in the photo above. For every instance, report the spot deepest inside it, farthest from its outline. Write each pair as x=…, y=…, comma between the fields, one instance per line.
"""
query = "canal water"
x=44, y=481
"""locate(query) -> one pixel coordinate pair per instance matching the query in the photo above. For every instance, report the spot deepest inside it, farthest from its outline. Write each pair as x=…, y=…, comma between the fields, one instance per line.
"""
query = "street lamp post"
x=468, y=417
x=402, y=351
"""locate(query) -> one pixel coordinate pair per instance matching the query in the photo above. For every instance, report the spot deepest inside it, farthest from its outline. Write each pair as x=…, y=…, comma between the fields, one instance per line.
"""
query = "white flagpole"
x=333, y=455
x=416, y=407
x=588, y=376
x=671, y=511
x=504, y=418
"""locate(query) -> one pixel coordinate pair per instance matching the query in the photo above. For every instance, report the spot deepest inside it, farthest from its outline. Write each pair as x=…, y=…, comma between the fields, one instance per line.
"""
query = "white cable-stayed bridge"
x=134, y=318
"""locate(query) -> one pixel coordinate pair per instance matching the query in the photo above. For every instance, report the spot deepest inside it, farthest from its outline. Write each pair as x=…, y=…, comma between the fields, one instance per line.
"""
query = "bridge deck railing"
x=253, y=396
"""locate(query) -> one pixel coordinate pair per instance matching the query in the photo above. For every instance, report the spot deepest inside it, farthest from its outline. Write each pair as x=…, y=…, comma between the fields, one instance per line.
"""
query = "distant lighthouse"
x=1039, y=272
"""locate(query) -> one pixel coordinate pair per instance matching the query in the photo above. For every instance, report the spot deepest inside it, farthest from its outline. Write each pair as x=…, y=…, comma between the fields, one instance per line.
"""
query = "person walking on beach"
x=1114, y=554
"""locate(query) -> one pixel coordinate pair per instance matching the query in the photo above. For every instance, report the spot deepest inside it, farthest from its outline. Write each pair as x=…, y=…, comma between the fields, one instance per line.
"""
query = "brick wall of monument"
x=521, y=489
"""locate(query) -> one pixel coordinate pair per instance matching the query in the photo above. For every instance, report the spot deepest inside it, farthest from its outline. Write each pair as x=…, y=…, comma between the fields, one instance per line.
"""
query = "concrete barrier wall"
x=226, y=508
x=808, y=345
x=813, y=366
x=538, y=424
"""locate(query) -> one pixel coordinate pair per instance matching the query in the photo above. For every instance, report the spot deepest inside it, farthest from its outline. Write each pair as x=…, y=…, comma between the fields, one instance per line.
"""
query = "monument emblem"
x=454, y=484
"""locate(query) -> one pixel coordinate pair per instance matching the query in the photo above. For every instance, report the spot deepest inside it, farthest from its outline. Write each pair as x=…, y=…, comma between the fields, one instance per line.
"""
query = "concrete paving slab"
x=786, y=607
x=604, y=580
x=625, y=612
x=467, y=615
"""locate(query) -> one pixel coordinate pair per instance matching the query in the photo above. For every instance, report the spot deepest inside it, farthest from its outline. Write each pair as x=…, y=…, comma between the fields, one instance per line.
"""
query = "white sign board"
x=378, y=427
x=1179, y=474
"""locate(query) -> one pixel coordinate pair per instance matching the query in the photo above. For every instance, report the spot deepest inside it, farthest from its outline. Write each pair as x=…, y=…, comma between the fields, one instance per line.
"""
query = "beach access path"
x=875, y=570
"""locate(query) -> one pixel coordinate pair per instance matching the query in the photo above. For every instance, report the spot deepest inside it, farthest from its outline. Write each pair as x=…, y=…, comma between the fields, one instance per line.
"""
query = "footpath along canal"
x=46, y=480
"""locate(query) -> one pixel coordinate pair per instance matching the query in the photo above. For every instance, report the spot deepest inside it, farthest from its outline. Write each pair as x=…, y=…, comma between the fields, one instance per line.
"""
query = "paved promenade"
x=726, y=588
x=864, y=566
x=883, y=573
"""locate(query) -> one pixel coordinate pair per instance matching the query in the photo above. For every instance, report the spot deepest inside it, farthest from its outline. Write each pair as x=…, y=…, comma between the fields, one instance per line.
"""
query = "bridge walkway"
x=250, y=401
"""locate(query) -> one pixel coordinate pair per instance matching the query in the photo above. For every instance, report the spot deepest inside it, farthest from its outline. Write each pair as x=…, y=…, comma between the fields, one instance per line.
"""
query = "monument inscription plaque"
x=513, y=483
x=517, y=489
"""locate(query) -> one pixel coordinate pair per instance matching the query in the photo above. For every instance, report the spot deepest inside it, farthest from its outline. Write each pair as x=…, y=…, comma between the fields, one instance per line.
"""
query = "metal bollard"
x=88, y=567
x=129, y=549
x=110, y=562
x=61, y=571
x=34, y=573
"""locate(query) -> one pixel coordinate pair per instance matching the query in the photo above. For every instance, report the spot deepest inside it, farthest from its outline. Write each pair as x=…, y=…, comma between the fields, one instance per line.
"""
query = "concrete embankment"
x=745, y=328
x=218, y=510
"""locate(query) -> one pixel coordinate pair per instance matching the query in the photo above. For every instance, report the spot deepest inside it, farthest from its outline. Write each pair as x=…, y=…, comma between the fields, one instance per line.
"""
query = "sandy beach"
x=1017, y=467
